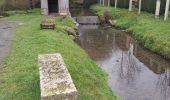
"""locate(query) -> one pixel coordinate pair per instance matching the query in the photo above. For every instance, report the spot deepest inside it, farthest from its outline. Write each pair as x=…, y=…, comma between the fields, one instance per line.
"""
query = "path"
x=5, y=38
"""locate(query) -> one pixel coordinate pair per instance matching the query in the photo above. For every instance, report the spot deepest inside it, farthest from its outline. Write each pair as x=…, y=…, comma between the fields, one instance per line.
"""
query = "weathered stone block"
x=55, y=80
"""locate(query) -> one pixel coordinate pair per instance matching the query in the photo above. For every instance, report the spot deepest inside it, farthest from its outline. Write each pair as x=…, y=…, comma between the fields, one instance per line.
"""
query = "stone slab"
x=55, y=80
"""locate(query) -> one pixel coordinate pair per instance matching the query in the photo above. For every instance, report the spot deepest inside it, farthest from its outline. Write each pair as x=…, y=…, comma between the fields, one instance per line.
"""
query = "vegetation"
x=153, y=33
x=20, y=75
x=2, y=6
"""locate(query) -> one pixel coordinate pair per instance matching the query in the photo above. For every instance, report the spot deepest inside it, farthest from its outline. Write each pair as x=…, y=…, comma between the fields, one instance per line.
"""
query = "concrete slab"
x=55, y=80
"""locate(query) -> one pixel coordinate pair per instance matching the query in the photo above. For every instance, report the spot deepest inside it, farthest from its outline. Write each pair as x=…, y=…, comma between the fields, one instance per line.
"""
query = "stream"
x=134, y=73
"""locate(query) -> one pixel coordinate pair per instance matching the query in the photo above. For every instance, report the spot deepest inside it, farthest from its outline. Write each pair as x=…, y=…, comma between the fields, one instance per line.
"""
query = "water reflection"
x=134, y=73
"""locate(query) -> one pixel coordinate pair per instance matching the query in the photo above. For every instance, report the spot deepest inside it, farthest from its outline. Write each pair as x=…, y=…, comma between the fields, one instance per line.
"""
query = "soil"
x=6, y=38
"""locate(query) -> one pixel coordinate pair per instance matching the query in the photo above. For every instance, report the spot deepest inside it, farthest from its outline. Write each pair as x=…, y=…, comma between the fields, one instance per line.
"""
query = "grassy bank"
x=153, y=33
x=20, y=75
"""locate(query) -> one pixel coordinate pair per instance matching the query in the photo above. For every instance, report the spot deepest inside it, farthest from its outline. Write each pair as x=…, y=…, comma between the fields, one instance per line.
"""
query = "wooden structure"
x=55, y=6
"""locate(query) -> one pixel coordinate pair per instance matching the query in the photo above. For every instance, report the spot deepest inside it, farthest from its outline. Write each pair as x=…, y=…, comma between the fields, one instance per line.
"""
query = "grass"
x=20, y=75
x=152, y=32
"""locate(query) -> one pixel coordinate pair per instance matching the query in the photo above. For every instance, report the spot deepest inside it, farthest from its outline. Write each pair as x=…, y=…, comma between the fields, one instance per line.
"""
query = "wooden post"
x=158, y=4
x=166, y=9
x=130, y=5
x=115, y=3
x=140, y=1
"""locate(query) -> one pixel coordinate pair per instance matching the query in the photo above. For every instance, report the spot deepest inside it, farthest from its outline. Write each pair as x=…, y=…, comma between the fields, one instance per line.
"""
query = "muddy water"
x=134, y=73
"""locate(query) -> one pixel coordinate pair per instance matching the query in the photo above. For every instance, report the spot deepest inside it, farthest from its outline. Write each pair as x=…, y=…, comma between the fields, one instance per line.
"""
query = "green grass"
x=20, y=75
x=153, y=33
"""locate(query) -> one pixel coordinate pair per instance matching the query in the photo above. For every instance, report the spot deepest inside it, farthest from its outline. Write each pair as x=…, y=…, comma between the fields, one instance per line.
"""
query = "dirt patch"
x=6, y=35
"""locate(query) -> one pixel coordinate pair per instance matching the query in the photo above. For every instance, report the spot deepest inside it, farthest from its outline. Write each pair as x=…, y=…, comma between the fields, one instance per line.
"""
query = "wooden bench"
x=55, y=80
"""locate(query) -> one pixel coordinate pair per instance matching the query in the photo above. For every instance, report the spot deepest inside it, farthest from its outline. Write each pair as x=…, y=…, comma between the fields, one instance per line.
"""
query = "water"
x=134, y=73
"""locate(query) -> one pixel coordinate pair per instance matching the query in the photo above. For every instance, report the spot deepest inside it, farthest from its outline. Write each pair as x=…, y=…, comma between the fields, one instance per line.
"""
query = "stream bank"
x=134, y=73
x=152, y=33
